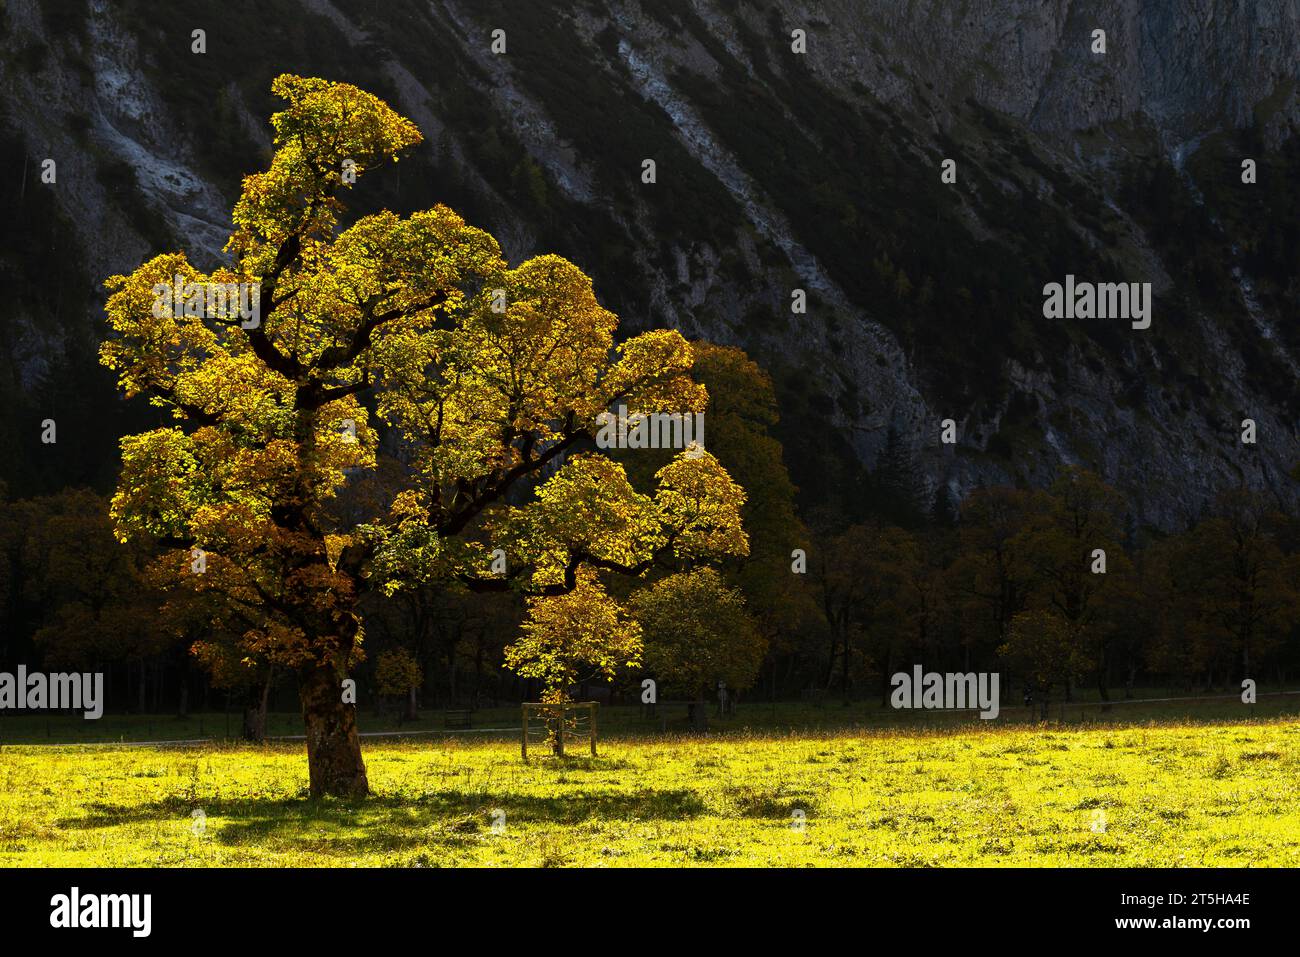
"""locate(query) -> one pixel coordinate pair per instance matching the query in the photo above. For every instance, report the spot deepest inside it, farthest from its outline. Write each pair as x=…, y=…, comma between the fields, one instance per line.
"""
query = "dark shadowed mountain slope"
x=775, y=171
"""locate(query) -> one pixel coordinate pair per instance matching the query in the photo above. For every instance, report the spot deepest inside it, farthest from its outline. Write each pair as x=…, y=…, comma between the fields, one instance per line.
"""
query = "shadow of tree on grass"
x=388, y=822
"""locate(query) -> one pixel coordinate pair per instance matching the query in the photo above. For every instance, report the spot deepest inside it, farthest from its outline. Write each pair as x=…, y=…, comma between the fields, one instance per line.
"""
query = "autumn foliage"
x=405, y=340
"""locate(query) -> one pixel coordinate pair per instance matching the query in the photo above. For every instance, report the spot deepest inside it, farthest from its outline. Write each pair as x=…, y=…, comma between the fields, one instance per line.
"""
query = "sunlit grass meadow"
x=1157, y=795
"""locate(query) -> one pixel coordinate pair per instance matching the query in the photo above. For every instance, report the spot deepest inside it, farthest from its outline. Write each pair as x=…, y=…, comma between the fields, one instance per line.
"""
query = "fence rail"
x=556, y=723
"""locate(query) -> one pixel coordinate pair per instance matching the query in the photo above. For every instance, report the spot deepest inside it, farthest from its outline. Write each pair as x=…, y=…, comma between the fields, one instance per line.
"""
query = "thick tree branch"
x=577, y=559
x=192, y=412
x=459, y=520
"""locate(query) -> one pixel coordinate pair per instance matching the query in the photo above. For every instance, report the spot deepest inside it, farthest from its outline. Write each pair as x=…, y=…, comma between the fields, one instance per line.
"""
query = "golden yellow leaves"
x=652, y=375
x=541, y=341
x=587, y=508
x=342, y=440
x=412, y=272
x=589, y=512
x=583, y=628
x=481, y=374
x=702, y=505
x=330, y=134
x=153, y=344
x=336, y=121
x=588, y=515
x=237, y=388
x=155, y=494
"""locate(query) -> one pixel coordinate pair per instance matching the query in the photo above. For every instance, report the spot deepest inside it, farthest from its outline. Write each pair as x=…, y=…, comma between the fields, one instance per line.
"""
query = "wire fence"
x=553, y=725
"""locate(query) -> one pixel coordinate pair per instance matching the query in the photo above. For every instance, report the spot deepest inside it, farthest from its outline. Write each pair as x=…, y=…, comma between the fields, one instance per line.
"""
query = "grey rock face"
x=1011, y=88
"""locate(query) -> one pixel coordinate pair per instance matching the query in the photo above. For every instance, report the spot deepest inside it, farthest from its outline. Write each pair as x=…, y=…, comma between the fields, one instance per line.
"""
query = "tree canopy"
x=387, y=337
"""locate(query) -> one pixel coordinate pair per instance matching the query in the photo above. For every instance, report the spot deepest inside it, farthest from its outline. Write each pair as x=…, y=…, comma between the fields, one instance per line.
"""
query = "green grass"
x=1171, y=794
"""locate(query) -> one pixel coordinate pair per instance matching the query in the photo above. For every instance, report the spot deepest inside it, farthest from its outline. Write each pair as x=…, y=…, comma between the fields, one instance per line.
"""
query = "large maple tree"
x=480, y=380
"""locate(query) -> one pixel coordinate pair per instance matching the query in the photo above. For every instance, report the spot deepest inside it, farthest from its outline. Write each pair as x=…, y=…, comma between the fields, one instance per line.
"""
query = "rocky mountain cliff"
x=775, y=171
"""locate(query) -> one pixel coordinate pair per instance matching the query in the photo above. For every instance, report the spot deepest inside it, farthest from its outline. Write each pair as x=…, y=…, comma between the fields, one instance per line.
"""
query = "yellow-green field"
x=1159, y=795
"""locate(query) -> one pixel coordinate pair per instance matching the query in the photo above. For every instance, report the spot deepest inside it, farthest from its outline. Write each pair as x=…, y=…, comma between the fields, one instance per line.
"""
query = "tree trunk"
x=844, y=675
x=255, y=712
x=333, y=748
x=254, y=728
x=830, y=663
x=183, y=669
x=887, y=679
x=700, y=714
